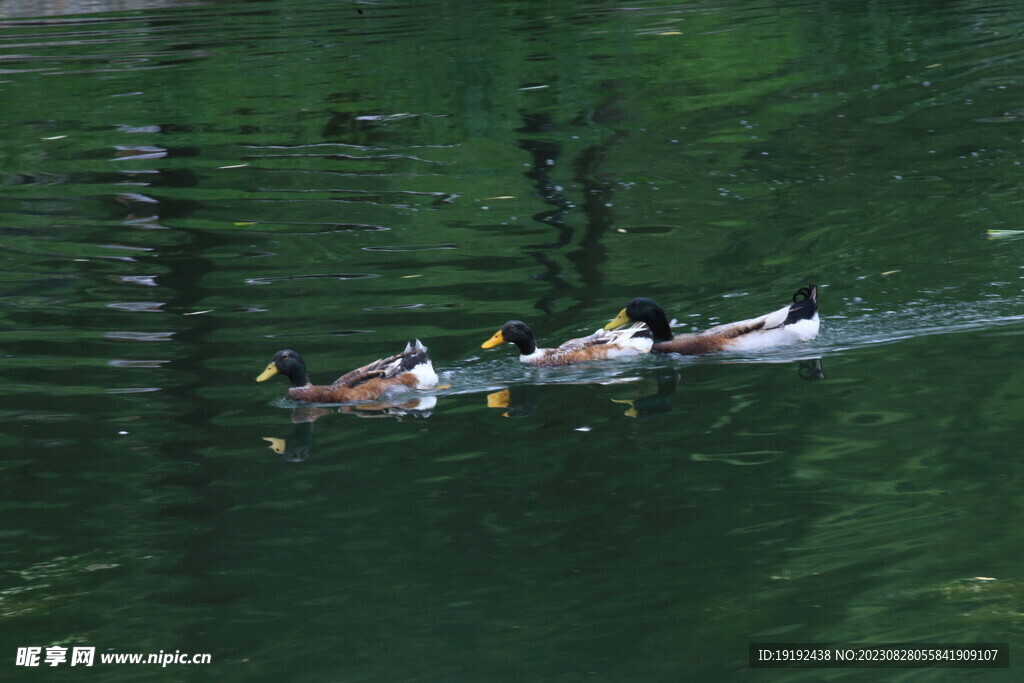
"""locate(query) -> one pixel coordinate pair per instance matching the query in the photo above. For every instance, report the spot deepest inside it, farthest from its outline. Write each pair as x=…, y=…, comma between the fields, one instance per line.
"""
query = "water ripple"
x=326, y=228
x=138, y=306
x=412, y=307
x=412, y=247
x=142, y=280
x=351, y=157
x=313, y=276
x=140, y=336
x=125, y=363
x=138, y=152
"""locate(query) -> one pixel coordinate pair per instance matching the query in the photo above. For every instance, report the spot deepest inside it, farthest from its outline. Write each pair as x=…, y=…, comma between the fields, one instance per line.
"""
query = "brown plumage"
x=569, y=354
x=368, y=389
x=708, y=341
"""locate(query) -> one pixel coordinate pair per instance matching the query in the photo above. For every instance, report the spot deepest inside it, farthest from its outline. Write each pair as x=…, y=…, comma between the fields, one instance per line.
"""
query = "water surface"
x=188, y=187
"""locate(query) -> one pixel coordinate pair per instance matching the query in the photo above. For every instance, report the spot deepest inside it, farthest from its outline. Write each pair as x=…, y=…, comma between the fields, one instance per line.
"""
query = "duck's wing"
x=603, y=337
x=732, y=336
x=599, y=345
x=693, y=344
x=354, y=378
x=415, y=354
x=742, y=327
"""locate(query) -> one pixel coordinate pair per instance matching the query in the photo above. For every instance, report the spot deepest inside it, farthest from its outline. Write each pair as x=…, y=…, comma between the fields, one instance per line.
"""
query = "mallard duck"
x=410, y=369
x=602, y=344
x=796, y=322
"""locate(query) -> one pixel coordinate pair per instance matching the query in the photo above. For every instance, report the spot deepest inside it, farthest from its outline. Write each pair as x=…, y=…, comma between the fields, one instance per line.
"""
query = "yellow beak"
x=497, y=338
x=620, y=320
x=268, y=373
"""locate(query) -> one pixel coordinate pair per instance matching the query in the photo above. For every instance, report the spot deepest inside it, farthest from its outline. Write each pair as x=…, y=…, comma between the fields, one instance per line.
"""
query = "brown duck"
x=410, y=369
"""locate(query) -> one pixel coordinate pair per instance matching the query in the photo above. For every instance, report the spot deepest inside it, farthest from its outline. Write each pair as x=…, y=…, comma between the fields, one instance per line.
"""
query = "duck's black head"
x=289, y=364
x=514, y=332
x=644, y=310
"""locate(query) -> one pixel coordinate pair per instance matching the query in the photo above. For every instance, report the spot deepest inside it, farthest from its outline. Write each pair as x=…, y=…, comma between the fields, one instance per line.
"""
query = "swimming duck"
x=410, y=369
x=602, y=344
x=796, y=322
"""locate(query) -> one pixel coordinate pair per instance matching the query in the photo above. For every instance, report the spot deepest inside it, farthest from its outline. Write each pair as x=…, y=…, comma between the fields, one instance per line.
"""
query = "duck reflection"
x=667, y=380
x=417, y=408
x=519, y=403
x=657, y=403
x=810, y=369
x=298, y=446
x=524, y=400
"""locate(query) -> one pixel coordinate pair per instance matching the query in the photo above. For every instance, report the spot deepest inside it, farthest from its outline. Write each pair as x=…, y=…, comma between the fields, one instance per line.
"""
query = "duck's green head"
x=289, y=364
x=513, y=332
x=639, y=310
x=644, y=310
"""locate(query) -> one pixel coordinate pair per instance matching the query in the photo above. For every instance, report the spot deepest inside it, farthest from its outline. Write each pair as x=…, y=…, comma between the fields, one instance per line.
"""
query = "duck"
x=793, y=323
x=410, y=369
x=603, y=344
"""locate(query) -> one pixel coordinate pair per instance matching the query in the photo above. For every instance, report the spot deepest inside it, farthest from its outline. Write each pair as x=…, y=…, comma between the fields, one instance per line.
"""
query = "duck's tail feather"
x=803, y=308
x=415, y=354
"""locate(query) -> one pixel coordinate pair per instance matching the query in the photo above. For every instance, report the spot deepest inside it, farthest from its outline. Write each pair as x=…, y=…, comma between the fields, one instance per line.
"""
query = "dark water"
x=187, y=187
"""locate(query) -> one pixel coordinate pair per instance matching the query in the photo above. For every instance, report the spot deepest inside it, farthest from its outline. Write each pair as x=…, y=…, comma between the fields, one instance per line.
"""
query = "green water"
x=186, y=188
